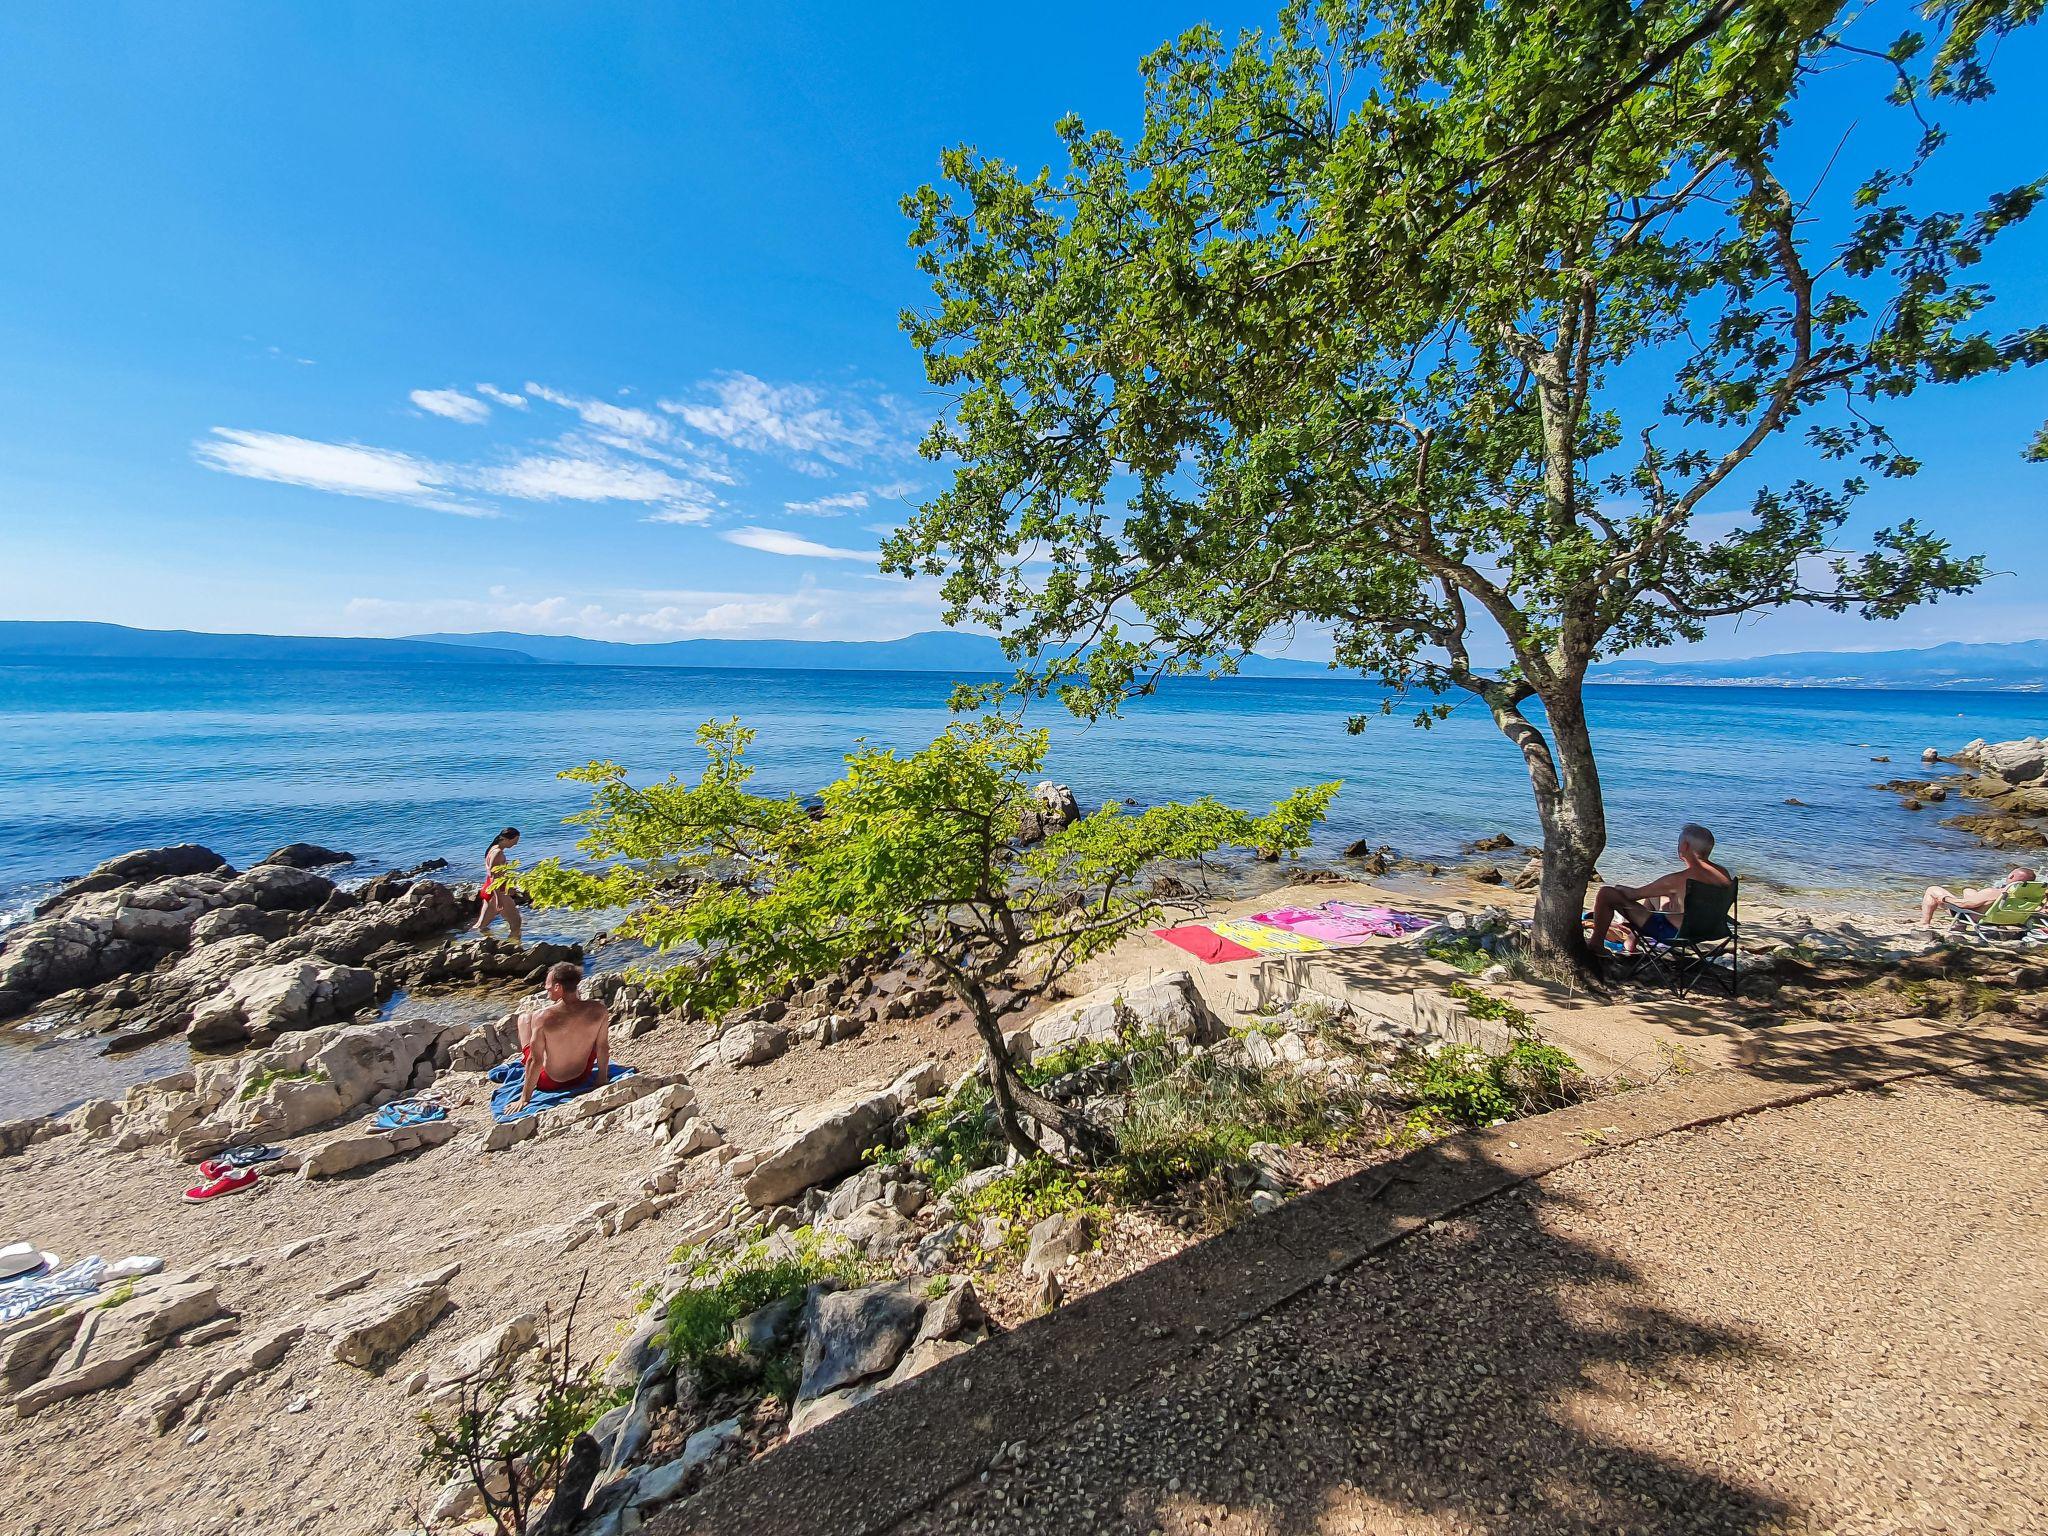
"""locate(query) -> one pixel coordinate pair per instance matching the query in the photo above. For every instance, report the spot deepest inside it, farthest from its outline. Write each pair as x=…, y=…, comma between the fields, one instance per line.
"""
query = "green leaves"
x=913, y=853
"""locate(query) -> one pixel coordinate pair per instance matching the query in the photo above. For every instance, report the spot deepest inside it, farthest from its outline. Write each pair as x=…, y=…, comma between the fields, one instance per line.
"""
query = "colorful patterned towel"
x=1314, y=923
x=1268, y=940
x=1204, y=943
x=1384, y=921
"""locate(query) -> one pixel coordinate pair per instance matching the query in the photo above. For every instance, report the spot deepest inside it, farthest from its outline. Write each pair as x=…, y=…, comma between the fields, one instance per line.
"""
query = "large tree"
x=1473, y=333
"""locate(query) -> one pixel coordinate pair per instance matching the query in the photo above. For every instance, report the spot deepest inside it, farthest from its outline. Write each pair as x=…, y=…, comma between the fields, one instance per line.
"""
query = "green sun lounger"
x=2015, y=918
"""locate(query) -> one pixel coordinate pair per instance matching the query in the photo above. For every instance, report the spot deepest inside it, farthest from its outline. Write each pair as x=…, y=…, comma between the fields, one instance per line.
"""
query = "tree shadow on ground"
x=1466, y=1380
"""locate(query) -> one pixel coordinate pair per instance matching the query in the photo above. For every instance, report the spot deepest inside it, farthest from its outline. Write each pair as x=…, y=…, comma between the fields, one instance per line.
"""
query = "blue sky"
x=582, y=318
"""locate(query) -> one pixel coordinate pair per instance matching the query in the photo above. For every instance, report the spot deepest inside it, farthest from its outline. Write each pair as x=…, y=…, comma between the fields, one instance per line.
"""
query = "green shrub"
x=1484, y=1005
x=697, y=1330
x=1186, y=1119
x=944, y=1144
x=1463, y=953
x=1035, y=1189
x=1463, y=1085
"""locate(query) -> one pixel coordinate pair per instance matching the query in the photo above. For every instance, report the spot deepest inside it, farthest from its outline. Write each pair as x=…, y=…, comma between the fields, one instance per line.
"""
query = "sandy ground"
x=1821, y=1318
x=343, y=1463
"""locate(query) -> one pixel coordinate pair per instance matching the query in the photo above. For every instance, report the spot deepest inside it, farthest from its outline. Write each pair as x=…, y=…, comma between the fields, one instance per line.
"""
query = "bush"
x=508, y=1443
x=1186, y=1119
x=1035, y=1189
x=697, y=1330
x=942, y=1145
x=1463, y=1085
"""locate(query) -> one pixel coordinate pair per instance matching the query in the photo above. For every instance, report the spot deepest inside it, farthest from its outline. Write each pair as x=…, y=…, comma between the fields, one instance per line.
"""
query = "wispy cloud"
x=776, y=541
x=504, y=397
x=587, y=477
x=346, y=469
x=626, y=420
x=750, y=413
x=811, y=611
x=828, y=506
x=451, y=403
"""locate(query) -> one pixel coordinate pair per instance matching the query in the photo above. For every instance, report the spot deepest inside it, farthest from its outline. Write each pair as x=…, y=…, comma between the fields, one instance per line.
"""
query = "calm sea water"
x=400, y=764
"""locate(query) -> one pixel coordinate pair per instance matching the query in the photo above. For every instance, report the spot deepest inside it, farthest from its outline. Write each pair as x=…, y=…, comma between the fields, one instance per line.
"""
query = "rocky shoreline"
x=2009, y=779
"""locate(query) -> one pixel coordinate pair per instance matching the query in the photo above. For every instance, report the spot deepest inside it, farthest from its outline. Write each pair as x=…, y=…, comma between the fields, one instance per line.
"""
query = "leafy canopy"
x=902, y=854
x=1442, y=323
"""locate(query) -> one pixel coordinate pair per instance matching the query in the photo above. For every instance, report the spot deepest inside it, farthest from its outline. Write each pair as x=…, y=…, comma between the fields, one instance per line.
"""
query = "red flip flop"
x=227, y=1184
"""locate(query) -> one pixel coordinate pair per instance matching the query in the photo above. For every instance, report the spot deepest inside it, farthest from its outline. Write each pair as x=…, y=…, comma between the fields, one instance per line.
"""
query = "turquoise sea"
x=404, y=763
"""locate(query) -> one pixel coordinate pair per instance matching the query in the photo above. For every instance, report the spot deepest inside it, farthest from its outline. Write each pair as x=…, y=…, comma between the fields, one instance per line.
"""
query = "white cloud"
x=626, y=420
x=774, y=541
x=451, y=403
x=809, y=612
x=688, y=517
x=584, y=477
x=829, y=506
x=504, y=397
x=346, y=469
x=758, y=416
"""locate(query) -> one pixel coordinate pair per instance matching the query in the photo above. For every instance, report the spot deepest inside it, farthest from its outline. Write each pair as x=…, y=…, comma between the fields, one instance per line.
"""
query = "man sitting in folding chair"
x=1681, y=923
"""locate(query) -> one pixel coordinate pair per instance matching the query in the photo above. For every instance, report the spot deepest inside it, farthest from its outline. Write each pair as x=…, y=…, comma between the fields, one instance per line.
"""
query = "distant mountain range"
x=2017, y=665
x=935, y=650
x=26, y=640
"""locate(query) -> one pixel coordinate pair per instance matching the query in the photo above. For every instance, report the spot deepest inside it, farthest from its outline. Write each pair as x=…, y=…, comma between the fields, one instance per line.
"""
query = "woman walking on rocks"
x=497, y=892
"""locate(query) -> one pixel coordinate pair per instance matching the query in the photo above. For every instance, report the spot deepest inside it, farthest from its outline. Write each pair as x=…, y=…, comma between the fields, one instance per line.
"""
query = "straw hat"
x=18, y=1259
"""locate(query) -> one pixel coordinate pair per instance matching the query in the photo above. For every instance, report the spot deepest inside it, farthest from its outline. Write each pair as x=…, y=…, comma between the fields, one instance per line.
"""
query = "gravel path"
x=1821, y=1318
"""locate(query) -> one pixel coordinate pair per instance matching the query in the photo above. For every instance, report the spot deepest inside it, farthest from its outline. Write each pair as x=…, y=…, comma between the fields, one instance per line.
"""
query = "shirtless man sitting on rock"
x=567, y=1041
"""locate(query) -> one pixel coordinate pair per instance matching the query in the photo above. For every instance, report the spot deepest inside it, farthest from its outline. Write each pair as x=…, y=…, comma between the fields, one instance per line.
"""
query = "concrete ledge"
x=905, y=1450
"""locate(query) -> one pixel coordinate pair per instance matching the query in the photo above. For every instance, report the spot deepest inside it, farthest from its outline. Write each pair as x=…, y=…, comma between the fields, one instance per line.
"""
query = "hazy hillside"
x=22, y=639
x=2021, y=664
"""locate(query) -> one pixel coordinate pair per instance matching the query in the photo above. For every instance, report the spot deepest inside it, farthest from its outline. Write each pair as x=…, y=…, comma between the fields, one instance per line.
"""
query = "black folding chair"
x=1707, y=935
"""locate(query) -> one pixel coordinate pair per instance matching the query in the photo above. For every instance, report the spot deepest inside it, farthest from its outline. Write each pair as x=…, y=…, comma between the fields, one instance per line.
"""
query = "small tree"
x=1461, y=331
x=903, y=856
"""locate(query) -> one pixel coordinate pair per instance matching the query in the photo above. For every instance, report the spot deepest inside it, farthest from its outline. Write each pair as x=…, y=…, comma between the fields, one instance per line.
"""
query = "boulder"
x=486, y=1354
x=1060, y=1237
x=1052, y=809
x=307, y=856
x=824, y=1144
x=345, y=1154
x=272, y=1000
x=2017, y=762
x=112, y=1343
x=374, y=1331
x=280, y=888
x=1167, y=1004
x=853, y=1337
x=419, y=911
x=659, y=1485
x=751, y=1044
x=240, y=921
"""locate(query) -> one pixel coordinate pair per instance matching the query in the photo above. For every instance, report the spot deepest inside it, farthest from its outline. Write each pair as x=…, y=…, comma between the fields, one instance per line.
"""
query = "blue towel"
x=507, y=1094
x=400, y=1113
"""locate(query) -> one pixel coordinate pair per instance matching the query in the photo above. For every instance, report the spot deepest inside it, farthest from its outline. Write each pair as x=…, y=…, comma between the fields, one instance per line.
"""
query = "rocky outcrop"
x=307, y=856
x=1052, y=809
x=2010, y=777
x=108, y=1344
x=826, y=1143
x=259, y=1005
x=1165, y=1005
x=372, y=1332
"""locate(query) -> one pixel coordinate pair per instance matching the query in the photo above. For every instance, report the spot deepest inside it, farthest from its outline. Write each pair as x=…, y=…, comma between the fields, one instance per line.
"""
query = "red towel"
x=1204, y=943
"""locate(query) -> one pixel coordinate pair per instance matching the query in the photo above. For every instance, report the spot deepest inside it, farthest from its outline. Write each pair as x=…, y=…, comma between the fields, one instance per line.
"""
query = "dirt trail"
x=1818, y=1318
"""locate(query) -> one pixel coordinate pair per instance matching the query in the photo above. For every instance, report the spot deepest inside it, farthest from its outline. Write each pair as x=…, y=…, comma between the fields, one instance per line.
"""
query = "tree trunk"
x=1014, y=1099
x=1566, y=782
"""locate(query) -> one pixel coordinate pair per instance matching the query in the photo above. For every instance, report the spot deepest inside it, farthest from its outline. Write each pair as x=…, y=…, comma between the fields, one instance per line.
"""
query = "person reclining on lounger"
x=563, y=1043
x=1982, y=899
x=1654, y=911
